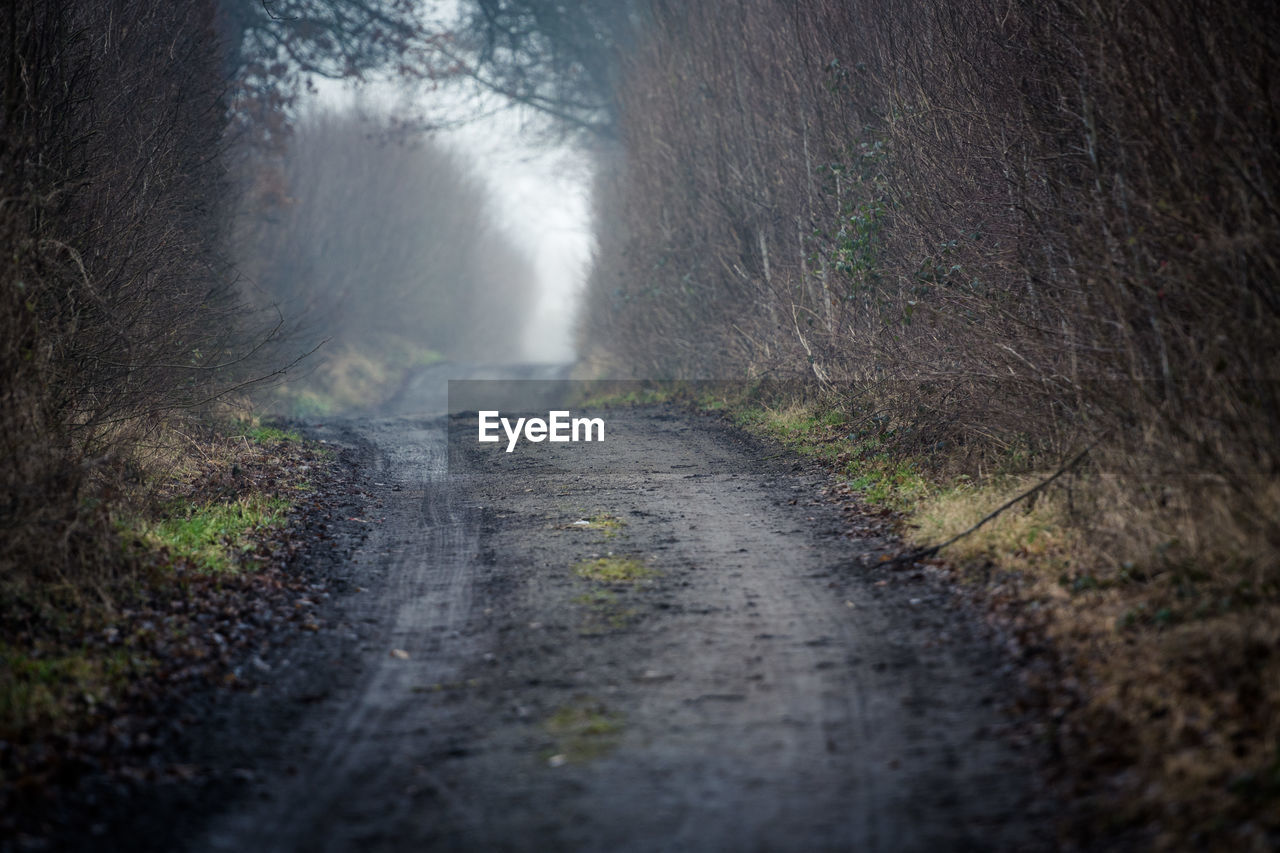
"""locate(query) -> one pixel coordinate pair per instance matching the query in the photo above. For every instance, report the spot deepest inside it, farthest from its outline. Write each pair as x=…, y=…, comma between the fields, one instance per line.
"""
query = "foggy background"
x=398, y=225
x=539, y=191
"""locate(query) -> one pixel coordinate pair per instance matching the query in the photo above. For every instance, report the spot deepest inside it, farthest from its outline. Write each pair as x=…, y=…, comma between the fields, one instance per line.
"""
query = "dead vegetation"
x=138, y=546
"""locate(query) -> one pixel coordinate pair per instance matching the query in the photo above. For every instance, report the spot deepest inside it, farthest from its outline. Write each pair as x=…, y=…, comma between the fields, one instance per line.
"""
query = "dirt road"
x=664, y=642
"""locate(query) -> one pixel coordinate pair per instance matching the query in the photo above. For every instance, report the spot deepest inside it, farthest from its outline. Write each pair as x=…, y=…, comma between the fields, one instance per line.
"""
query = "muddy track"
x=749, y=686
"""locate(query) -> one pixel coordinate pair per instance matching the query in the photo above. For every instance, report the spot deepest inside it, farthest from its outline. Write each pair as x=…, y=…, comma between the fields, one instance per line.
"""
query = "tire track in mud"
x=417, y=561
x=754, y=690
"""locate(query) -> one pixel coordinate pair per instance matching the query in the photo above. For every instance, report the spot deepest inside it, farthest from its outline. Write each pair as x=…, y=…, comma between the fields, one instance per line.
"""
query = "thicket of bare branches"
x=1010, y=227
x=557, y=57
x=1004, y=233
x=119, y=307
x=116, y=305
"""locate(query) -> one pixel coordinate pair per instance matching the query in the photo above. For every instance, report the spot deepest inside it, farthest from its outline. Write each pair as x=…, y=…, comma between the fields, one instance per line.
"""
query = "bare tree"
x=562, y=58
x=118, y=304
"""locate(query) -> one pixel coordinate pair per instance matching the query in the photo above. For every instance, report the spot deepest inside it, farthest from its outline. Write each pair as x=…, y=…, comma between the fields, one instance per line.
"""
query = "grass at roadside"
x=854, y=453
x=213, y=536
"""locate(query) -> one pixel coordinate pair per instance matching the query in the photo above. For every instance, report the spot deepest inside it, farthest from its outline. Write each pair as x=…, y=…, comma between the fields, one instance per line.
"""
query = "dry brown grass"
x=1166, y=696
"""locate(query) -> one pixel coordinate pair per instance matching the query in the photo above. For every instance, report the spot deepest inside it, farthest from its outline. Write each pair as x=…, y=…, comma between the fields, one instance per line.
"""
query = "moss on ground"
x=607, y=523
x=614, y=570
x=584, y=729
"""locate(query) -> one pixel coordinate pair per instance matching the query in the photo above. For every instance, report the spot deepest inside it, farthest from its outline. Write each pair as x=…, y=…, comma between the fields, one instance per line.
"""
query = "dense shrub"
x=116, y=305
x=1006, y=226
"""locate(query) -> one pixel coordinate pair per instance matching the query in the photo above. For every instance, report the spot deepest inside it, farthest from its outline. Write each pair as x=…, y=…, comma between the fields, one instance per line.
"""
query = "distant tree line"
x=385, y=246
x=1003, y=226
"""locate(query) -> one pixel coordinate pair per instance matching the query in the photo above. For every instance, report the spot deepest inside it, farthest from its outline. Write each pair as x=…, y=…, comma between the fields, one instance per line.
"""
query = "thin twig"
x=925, y=553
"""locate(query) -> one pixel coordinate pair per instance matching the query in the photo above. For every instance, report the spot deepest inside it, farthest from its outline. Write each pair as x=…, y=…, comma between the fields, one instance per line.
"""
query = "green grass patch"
x=855, y=452
x=41, y=689
x=585, y=729
x=213, y=536
x=250, y=426
x=270, y=435
x=613, y=570
x=886, y=482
